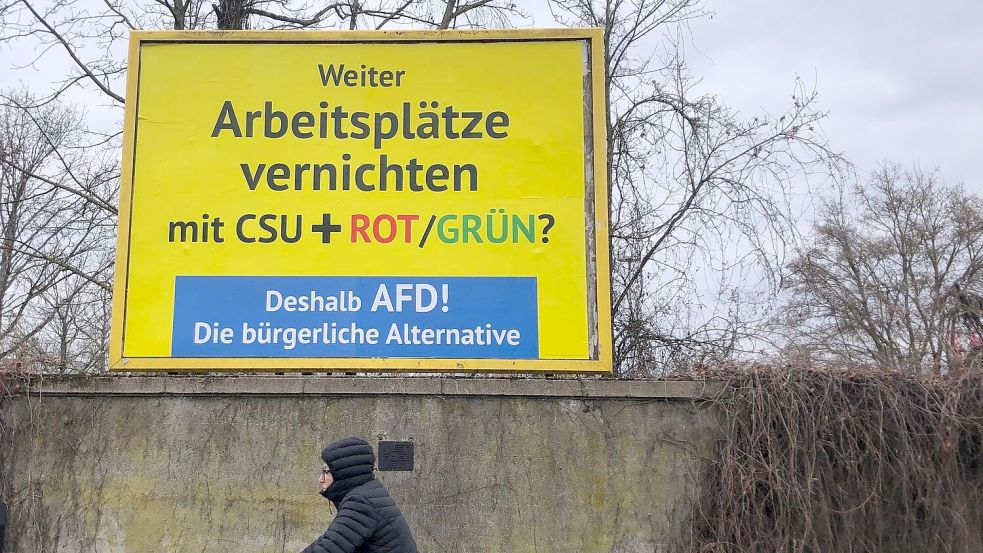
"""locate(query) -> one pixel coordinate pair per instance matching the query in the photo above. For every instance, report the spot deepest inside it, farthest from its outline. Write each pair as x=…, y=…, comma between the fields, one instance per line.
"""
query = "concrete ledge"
x=289, y=385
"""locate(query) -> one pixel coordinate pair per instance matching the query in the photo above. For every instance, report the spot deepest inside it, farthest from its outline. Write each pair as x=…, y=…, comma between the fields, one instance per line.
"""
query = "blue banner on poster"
x=268, y=316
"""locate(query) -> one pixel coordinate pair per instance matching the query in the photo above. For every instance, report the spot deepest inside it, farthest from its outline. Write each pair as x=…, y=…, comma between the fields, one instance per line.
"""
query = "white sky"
x=902, y=79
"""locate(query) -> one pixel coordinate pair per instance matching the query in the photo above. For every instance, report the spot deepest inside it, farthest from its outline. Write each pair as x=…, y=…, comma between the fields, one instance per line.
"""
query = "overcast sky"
x=902, y=79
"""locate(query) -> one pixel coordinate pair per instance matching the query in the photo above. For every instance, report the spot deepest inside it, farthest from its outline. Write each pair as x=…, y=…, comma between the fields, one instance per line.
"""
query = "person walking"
x=368, y=520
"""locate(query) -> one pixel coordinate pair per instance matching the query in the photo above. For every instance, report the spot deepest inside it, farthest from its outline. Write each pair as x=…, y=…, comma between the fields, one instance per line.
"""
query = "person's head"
x=347, y=463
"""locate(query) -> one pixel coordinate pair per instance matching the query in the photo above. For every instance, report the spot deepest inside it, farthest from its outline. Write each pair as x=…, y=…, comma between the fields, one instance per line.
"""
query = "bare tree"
x=694, y=187
x=891, y=274
x=56, y=225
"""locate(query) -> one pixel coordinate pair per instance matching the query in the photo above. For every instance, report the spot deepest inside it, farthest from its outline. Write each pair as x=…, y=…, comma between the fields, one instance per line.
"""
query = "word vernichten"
x=381, y=175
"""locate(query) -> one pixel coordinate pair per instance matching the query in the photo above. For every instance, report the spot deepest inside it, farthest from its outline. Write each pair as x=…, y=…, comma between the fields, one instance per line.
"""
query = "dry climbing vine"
x=843, y=461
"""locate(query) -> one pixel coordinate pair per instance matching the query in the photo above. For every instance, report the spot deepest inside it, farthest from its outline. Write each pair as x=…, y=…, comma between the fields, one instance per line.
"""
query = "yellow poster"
x=362, y=201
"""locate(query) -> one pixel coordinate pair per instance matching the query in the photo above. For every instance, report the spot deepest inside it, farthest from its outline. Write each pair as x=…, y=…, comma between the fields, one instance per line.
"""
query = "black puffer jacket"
x=368, y=521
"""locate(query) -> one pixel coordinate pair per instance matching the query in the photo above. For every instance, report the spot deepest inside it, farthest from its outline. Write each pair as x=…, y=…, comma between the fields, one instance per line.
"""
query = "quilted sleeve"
x=355, y=523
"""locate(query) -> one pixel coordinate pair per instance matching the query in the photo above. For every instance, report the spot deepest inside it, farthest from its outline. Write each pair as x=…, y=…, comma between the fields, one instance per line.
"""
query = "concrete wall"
x=200, y=464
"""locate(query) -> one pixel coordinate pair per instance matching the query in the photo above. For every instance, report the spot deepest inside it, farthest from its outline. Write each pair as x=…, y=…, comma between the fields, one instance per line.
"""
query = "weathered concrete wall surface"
x=200, y=464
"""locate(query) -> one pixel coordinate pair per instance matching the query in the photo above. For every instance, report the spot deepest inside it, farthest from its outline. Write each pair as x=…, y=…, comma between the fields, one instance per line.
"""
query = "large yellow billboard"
x=364, y=201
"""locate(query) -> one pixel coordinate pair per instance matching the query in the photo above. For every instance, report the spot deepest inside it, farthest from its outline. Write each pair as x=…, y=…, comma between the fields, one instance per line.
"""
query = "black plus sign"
x=326, y=228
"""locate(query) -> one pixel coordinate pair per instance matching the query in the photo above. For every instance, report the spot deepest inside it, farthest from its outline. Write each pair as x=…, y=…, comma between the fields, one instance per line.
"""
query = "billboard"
x=363, y=201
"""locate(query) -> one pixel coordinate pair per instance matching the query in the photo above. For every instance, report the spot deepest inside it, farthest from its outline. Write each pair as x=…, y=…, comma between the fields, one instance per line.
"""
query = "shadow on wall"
x=3, y=525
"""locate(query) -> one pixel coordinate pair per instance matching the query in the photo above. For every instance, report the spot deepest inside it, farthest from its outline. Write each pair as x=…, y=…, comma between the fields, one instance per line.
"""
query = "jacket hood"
x=351, y=461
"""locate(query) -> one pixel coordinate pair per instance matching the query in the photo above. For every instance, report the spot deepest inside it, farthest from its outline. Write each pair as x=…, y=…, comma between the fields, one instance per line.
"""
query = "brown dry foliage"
x=830, y=461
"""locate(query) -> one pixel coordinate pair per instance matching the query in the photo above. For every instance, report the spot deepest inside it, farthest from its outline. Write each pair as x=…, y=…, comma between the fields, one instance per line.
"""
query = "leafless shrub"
x=841, y=461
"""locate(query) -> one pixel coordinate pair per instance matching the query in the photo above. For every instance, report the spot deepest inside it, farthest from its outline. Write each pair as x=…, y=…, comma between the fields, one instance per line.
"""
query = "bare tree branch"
x=71, y=52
